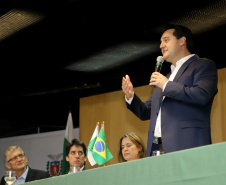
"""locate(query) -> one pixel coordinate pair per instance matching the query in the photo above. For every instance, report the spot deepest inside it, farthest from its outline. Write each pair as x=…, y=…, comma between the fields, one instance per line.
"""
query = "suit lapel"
x=184, y=66
x=84, y=168
x=29, y=175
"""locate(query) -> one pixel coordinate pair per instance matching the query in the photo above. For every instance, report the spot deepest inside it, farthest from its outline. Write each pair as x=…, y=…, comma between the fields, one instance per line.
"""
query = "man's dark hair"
x=75, y=142
x=182, y=31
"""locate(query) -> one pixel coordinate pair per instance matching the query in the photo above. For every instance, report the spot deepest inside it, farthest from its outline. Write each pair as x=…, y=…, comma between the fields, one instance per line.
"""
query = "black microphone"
x=158, y=65
x=159, y=62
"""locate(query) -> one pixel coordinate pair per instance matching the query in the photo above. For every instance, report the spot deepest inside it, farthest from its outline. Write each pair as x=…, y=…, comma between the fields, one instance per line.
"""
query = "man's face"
x=170, y=46
x=18, y=161
x=76, y=156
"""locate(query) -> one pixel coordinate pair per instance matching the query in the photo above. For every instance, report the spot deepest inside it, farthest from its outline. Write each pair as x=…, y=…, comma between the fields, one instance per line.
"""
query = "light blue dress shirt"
x=22, y=178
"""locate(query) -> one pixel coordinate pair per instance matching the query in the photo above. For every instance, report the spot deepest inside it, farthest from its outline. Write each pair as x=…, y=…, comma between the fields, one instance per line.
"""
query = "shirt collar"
x=82, y=168
x=181, y=62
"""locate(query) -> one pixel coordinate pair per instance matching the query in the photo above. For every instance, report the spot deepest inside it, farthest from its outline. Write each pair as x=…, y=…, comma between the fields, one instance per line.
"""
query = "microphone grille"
x=160, y=59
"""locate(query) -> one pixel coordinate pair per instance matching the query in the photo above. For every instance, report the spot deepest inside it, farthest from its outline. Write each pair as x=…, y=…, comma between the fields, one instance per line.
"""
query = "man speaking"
x=179, y=108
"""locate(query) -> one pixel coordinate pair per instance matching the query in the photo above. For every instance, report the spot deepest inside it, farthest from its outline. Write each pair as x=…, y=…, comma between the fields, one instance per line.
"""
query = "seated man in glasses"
x=76, y=154
x=16, y=160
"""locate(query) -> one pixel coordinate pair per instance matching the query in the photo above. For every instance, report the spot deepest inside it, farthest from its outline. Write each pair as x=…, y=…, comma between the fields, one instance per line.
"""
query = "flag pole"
x=98, y=126
x=102, y=125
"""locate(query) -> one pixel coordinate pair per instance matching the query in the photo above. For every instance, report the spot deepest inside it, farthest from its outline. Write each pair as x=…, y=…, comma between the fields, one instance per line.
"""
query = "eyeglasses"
x=15, y=158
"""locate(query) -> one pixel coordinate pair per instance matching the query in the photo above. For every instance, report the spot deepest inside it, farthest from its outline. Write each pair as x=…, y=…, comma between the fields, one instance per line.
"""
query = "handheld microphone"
x=159, y=62
x=158, y=65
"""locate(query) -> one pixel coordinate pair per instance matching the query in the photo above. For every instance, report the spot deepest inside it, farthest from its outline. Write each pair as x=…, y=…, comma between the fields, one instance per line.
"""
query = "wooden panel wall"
x=218, y=114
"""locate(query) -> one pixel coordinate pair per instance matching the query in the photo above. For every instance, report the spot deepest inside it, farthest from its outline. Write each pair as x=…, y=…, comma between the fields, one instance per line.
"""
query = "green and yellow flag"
x=101, y=153
x=69, y=135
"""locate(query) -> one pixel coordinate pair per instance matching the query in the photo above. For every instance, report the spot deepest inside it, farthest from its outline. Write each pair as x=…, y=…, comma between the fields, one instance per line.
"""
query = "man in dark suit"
x=179, y=108
x=16, y=160
x=76, y=154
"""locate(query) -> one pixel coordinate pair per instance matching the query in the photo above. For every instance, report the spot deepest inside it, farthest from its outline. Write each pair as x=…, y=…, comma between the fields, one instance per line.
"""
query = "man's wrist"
x=129, y=101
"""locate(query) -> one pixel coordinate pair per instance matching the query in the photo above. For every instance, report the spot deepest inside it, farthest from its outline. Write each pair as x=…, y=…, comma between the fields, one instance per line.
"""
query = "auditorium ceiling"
x=54, y=52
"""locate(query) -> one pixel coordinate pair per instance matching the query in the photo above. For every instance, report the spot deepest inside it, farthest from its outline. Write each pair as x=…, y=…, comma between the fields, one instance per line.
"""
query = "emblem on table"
x=54, y=166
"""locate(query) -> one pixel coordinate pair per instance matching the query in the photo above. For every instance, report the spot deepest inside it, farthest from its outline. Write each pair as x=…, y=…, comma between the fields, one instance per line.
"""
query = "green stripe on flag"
x=68, y=137
x=65, y=164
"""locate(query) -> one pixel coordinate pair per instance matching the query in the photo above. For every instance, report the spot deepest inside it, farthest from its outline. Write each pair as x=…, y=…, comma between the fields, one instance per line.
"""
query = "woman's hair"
x=136, y=139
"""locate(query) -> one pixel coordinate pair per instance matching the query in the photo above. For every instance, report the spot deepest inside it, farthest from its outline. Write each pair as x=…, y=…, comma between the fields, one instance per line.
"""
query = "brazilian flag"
x=101, y=153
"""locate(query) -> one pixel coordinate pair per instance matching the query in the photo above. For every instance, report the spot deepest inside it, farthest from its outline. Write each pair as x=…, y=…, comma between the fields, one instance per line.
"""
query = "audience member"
x=76, y=154
x=16, y=160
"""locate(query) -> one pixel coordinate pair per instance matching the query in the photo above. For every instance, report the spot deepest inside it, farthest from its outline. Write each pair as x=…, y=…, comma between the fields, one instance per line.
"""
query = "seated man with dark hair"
x=17, y=161
x=76, y=154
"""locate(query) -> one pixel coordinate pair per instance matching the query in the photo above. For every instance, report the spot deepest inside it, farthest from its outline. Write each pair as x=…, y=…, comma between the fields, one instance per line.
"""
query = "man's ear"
x=67, y=158
x=7, y=165
x=182, y=41
x=25, y=158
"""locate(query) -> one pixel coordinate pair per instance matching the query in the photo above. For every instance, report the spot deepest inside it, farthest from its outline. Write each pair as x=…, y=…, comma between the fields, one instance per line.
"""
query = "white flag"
x=90, y=147
x=69, y=132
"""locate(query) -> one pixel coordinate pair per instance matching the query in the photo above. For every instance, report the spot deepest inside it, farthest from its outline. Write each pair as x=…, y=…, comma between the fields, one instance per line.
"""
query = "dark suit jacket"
x=36, y=175
x=185, y=111
x=85, y=168
x=31, y=175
